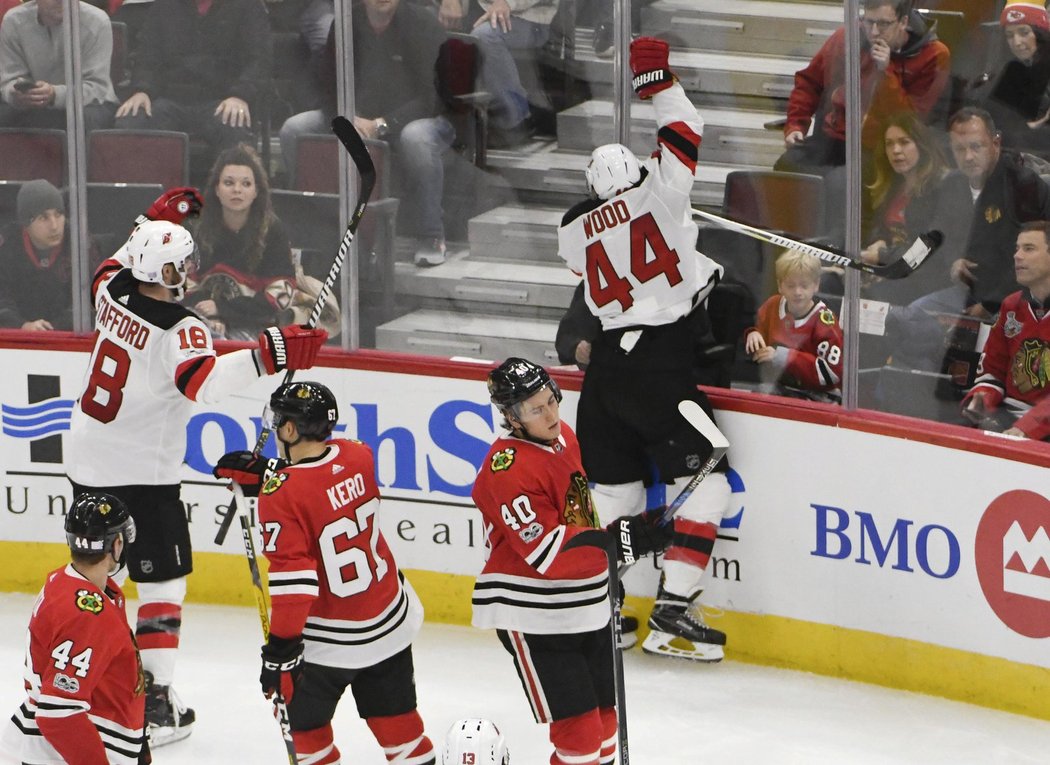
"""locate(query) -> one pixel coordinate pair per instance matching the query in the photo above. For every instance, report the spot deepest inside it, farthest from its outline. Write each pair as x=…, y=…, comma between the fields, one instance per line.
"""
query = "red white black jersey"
x=533, y=499
x=1015, y=363
x=808, y=350
x=82, y=676
x=150, y=362
x=637, y=251
x=333, y=578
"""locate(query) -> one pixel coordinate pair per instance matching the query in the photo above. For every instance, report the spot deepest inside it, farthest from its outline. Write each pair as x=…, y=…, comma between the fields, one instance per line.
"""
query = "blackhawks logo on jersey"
x=579, y=508
x=1031, y=367
x=273, y=483
x=502, y=460
x=89, y=601
x=826, y=316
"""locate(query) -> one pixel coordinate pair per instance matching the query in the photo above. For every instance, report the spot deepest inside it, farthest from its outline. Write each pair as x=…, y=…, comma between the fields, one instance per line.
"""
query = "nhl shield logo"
x=692, y=462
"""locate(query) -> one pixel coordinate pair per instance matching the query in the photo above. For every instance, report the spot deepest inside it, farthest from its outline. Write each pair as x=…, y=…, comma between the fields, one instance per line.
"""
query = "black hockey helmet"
x=516, y=379
x=310, y=405
x=95, y=520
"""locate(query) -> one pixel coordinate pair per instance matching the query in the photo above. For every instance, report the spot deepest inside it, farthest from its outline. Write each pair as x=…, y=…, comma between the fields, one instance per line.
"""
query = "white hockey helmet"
x=613, y=168
x=475, y=742
x=155, y=243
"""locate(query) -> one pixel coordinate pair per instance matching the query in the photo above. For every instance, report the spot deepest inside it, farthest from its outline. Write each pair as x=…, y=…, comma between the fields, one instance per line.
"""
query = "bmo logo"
x=1012, y=555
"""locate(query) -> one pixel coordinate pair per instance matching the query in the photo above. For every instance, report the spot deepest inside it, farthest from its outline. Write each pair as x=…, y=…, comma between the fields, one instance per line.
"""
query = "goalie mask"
x=154, y=244
x=94, y=521
x=613, y=168
x=476, y=742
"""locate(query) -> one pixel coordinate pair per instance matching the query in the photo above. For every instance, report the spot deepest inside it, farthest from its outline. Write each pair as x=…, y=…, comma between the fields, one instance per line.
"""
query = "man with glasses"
x=903, y=67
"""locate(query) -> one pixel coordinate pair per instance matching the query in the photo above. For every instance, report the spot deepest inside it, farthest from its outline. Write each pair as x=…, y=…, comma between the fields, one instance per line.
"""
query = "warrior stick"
x=913, y=257
x=355, y=147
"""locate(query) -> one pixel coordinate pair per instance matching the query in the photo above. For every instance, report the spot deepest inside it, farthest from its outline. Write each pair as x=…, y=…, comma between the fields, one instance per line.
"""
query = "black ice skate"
x=167, y=718
x=678, y=629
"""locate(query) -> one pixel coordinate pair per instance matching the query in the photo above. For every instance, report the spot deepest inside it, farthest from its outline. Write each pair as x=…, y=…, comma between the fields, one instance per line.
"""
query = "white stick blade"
x=698, y=418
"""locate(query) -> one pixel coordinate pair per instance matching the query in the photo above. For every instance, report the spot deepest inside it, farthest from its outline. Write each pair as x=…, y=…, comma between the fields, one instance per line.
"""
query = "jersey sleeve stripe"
x=682, y=141
x=547, y=550
x=305, y=575
x=827, y=376
x=191, y=374
x=52, y=706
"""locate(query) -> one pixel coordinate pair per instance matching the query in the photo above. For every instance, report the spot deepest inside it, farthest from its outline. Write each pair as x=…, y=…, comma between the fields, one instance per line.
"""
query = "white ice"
x=679, y=713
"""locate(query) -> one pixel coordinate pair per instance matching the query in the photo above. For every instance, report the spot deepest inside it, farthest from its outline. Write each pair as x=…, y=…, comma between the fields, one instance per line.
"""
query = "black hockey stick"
x=913, y=257
x=355, y=147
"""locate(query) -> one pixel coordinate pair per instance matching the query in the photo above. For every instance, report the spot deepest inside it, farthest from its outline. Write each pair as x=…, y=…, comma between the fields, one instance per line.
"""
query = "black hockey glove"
x=638, y=535
x=282, y=666
x=248, y=470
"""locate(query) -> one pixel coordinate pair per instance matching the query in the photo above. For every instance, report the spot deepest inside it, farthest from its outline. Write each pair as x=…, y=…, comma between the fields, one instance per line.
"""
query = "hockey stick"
x=697, y=417
x=913, y=257
x=355, y=147
x=617, y=637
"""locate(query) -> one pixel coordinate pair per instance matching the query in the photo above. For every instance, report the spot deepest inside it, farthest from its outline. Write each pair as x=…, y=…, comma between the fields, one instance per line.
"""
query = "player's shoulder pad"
x=502, y=460
x=580, y=209
x=89, y=602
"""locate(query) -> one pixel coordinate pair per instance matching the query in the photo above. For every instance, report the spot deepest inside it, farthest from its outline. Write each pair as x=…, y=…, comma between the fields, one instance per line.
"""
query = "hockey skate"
x=167, y=718
x=628, y=631
x=677, y=629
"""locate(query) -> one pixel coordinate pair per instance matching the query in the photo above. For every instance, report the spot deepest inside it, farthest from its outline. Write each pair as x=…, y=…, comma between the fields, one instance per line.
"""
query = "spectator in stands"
x=32, y=67
x=903, y=67
x=1017, y=97
x=395, y=49
x=246, y=276
x=797, y=340
x=521, y=26
x=1006, y=193
x=908, y=197
x=1013, y=381
x=200, y=68
x=36, y=291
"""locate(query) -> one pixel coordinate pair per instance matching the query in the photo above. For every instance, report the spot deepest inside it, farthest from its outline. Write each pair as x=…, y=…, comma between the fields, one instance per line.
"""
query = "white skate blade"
x=162, y=735
x=665, y=644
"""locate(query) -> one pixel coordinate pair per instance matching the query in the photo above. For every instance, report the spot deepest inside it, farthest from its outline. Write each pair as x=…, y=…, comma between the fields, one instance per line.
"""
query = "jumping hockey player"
x=152, y=359
x=343, y=613
x=475, y=741
x=634, y=242
x=83, y=676
x=544, y=588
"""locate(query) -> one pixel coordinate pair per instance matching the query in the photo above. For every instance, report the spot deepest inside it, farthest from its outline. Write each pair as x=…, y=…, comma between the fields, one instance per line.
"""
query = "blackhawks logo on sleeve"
x=502, y=460
x=273, y=483
x=89, y=601
x=579, y=508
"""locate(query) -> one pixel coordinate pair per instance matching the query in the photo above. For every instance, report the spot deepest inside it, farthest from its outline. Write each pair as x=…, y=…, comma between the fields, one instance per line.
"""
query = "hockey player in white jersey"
x=634, y=242
x=152, y=359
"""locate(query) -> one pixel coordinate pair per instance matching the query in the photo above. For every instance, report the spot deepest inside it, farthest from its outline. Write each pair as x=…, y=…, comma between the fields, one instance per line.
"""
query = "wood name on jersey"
x=120, y=323
x=607, y=216
x=345, y=492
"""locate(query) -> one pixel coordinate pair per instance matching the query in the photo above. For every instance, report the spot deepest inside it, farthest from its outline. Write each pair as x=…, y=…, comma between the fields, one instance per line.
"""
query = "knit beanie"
x=37, y=197
x=1021, y=12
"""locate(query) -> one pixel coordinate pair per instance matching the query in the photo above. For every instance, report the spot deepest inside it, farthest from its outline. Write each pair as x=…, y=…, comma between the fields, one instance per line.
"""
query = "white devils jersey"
x=150, y=362
x=637, y=251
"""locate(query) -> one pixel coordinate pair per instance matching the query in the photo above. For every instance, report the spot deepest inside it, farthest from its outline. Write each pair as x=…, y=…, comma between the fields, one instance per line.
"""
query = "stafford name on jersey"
x=120, y=323
x=345, y=492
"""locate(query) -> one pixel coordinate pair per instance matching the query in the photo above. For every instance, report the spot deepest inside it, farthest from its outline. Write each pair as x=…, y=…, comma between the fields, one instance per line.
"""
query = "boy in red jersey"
x=797, y=338
x=343, y=613
x=545, y=585
x=84, y=680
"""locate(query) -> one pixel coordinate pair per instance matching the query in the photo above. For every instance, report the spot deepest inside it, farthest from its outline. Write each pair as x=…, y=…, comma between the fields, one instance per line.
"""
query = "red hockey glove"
x=247, y=469
x=282, y=666
x=649, y=66
x=292, y=347
x=637, y=536
x=988, y=400
x=175, y=205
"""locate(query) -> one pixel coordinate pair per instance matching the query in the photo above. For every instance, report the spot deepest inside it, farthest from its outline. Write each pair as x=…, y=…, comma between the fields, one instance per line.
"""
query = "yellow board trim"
x=774, y=641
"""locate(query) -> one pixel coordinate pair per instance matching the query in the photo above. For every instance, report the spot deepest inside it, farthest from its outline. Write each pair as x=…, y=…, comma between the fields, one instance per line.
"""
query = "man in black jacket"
x=395, y=49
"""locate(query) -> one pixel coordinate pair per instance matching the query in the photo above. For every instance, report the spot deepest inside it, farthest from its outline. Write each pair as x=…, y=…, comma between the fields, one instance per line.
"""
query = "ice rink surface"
x=679, y=713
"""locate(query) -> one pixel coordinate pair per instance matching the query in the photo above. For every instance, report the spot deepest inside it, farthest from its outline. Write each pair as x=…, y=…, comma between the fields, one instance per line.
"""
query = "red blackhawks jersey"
x=637, y=251
x=1015, y=364
x=151, y=361
x=332, y=576
x=83, y=678
x=533, y=499
x=808, y=350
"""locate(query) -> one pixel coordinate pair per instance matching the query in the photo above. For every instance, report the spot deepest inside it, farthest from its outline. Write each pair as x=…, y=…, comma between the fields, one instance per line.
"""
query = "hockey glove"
x=174, y=205
x=282, y=666
x=650, y=68
x=637, y=536
x=292, y=347
x=247, y=469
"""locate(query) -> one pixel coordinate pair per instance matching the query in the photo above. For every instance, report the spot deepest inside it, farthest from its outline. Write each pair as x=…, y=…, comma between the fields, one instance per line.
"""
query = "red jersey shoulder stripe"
x=191, y=374
x=683, y=141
